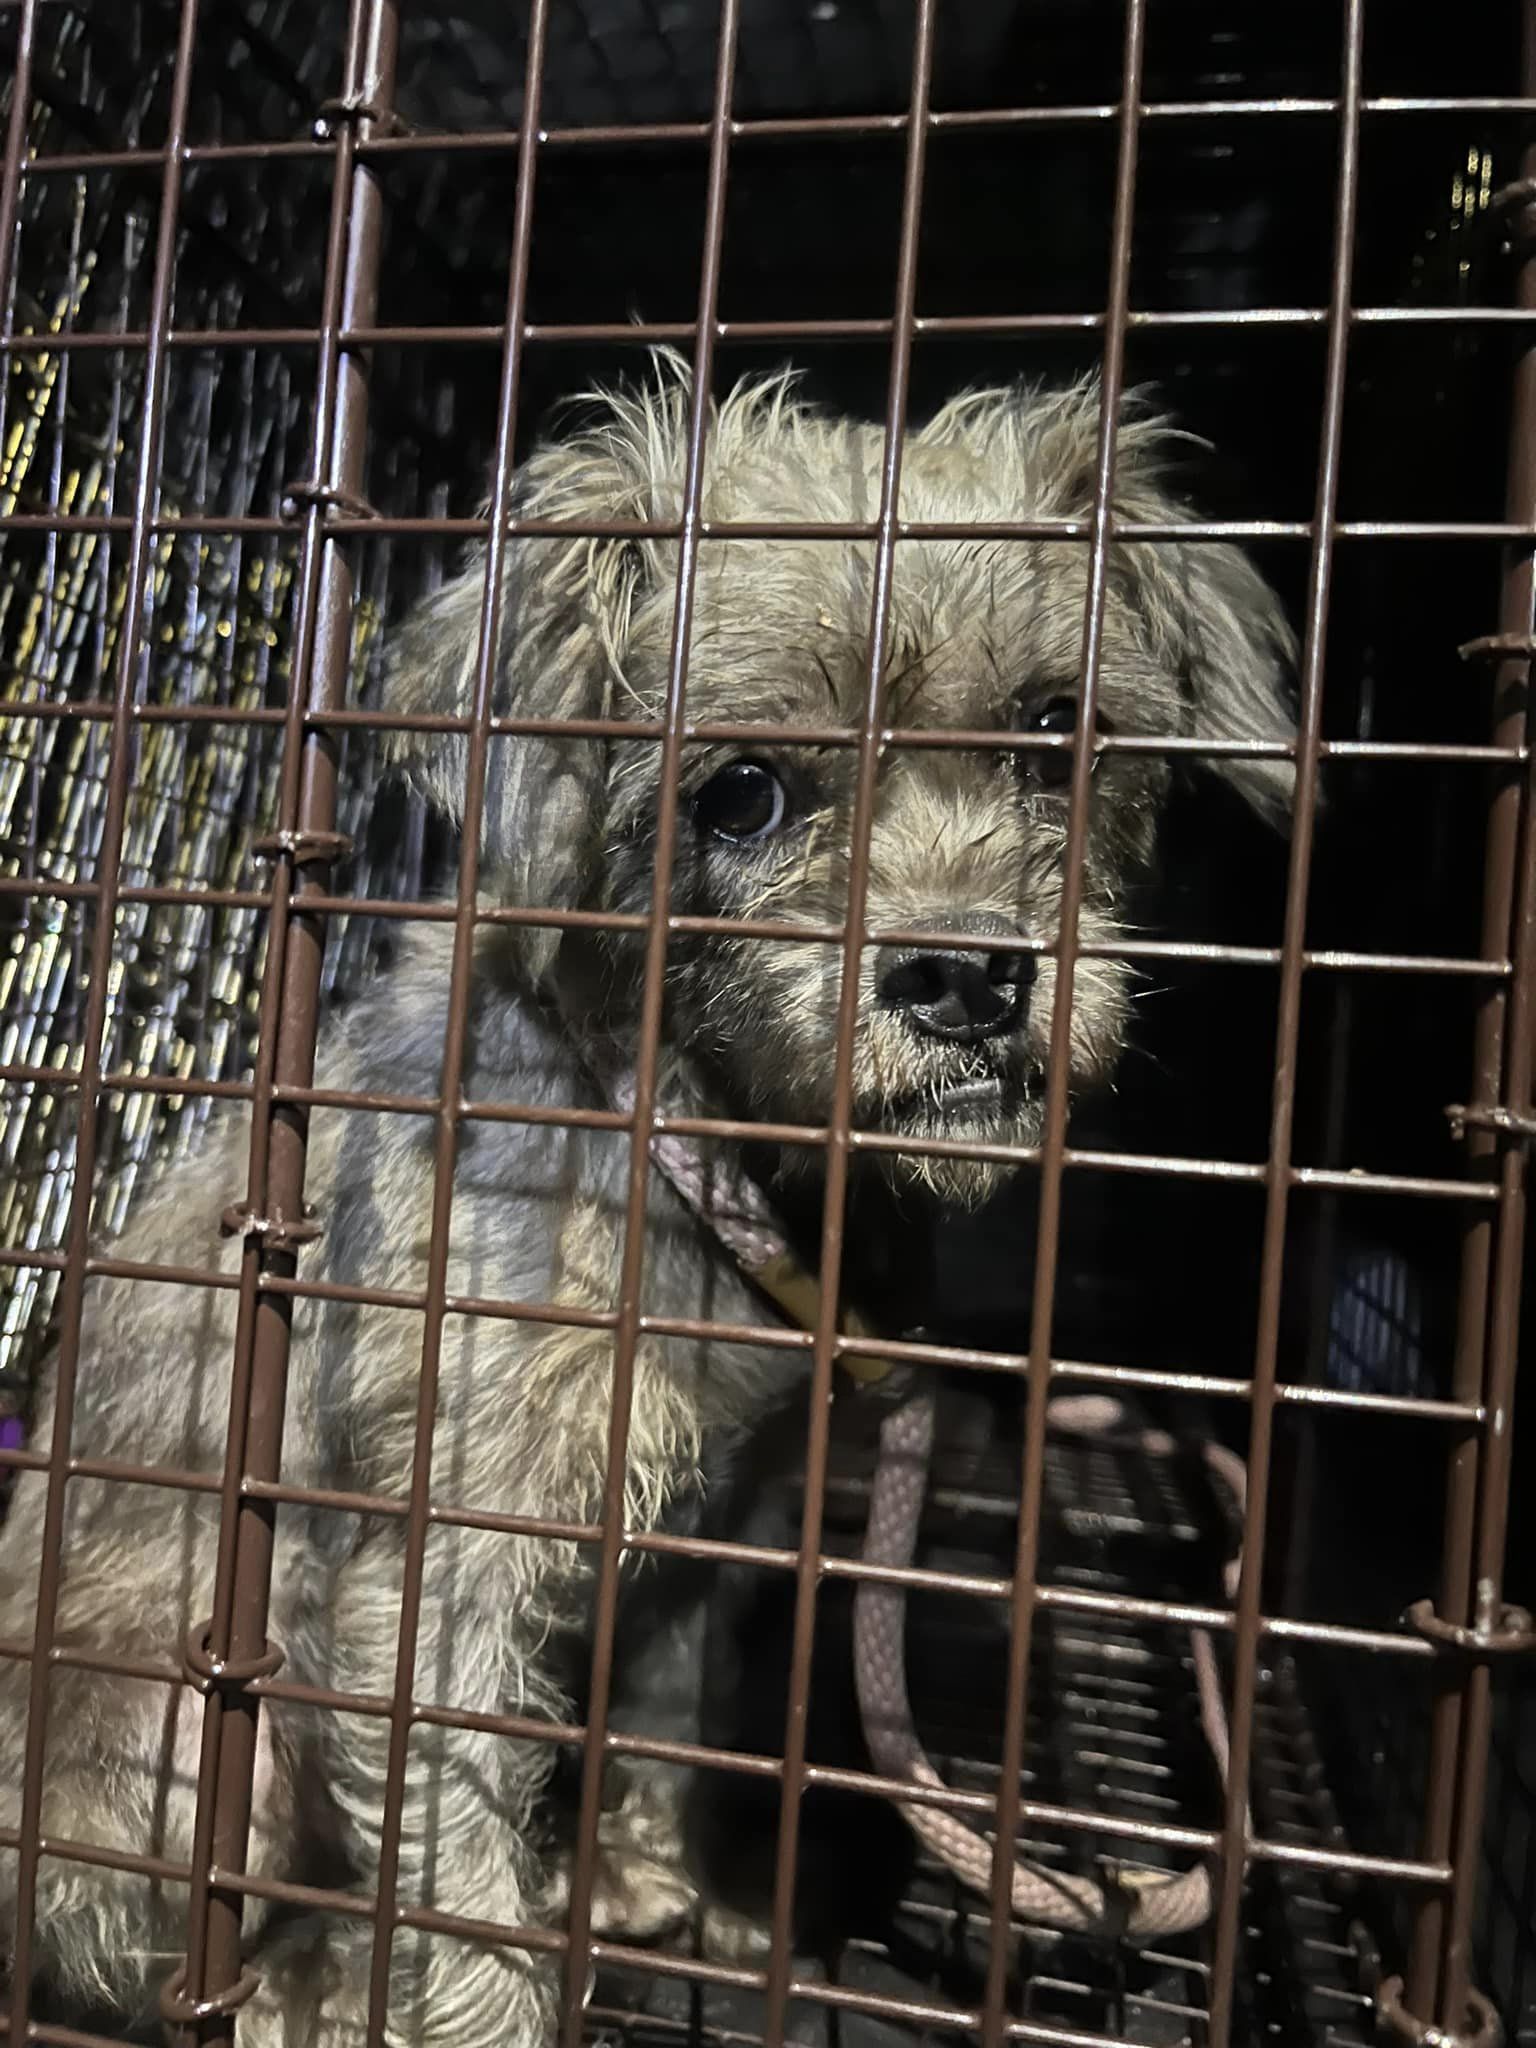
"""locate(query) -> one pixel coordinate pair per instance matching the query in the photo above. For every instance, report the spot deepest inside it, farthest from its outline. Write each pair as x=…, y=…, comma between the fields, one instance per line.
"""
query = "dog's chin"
x=993, y=1111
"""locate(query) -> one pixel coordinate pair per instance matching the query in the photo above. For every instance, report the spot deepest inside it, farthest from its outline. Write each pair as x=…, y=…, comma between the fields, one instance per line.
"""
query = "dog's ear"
x=567, y=608
x=1213, y=618
x=1235, y=655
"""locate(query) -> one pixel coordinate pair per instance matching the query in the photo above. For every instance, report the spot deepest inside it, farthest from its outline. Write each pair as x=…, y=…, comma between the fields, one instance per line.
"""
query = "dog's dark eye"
x=1052, y=766
x=743, y=802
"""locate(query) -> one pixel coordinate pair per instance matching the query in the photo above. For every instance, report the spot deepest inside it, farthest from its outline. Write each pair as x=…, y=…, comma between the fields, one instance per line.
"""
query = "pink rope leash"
x=1135, y=1903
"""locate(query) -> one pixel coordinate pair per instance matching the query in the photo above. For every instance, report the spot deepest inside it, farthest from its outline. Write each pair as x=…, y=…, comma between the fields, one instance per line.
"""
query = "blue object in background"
x=1376, y=1326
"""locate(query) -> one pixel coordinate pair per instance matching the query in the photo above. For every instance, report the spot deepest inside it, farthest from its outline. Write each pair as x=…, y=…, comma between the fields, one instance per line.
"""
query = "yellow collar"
x=798, y=1293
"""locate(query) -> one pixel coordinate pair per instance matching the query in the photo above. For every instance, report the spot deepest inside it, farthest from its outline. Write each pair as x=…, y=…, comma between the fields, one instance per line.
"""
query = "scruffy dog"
x=950, y=1043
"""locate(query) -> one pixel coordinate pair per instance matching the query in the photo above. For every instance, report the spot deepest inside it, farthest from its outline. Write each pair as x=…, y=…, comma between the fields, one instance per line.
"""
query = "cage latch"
x=177, y=2010
x=304, y=849
x=1481, y=2030
x=278, y=1233
x=1490, y=1116
x=312, y=492
x=206, y=1672
x=1498, y=647
x=1501, y=1632
x=351, y=108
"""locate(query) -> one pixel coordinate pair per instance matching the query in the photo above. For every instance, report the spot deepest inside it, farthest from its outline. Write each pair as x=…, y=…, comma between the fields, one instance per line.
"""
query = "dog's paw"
x=637, y=1898
x=634, y=1898
x=647, y=1820
x=729, y=1937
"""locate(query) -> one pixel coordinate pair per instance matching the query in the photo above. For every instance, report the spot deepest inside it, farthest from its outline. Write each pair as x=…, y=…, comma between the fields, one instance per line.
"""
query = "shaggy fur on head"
x=983, y=637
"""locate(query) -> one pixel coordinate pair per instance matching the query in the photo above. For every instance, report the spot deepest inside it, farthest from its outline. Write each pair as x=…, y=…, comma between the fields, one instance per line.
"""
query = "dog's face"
x=966, y=842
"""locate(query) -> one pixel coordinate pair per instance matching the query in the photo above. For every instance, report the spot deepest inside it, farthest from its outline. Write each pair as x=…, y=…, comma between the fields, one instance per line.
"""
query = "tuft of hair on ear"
x=1214, y=620
x=1206, y=608
x=1045, y=439
x=566, y=613
x=1238, y=660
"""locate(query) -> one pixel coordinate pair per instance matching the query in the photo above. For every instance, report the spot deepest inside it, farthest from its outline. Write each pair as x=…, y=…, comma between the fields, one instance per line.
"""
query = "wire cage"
x=283, y=288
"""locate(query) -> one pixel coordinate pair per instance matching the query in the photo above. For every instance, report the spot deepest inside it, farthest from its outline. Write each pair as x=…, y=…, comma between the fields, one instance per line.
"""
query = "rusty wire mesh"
x=226, y=427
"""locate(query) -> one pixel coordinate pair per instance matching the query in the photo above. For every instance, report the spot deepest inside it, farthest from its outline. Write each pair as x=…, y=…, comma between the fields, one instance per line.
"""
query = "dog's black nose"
x=954, y=994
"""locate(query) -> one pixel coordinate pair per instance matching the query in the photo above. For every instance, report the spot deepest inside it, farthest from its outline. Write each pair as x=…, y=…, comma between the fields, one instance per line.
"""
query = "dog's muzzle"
x=955, y=994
